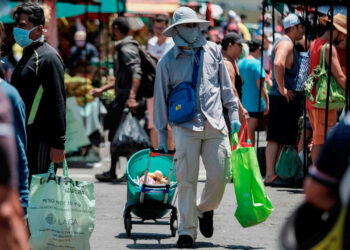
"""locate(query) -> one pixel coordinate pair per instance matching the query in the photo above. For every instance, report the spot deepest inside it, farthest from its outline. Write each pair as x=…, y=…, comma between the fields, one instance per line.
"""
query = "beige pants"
x=214, y=147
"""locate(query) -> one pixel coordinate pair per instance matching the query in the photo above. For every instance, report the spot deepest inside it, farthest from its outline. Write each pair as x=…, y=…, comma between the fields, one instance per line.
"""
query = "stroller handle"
x=158, y=152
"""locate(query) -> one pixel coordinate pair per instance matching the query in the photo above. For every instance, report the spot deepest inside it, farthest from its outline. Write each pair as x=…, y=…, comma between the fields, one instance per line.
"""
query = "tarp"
x=152, y=6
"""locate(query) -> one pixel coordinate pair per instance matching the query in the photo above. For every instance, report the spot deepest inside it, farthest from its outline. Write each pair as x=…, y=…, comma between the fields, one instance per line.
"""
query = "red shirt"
x=315, y=52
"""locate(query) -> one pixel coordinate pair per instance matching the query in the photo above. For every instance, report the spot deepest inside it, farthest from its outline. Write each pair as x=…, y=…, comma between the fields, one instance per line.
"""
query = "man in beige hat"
x=196, y=66
x=316, y=115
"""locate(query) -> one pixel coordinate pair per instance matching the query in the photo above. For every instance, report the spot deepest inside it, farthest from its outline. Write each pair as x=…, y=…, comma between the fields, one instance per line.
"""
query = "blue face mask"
x=22, y=36
x=188, y=34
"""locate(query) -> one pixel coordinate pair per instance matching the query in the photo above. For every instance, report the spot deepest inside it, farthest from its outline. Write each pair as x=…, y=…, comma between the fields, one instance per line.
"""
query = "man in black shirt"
x=127, y=70
x=39, y=78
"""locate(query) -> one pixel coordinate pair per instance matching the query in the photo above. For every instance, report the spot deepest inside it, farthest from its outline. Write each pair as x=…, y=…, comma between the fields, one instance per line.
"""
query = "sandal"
x=268, y=184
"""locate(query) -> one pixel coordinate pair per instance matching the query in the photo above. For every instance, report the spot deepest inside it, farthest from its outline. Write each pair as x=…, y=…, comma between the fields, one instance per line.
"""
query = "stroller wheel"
x=173, y=224
x=127, y=225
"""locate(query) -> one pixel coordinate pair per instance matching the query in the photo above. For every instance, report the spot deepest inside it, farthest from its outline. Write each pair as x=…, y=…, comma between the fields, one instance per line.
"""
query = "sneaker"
x=185, y=241
x=206, y=224
x=106, y=177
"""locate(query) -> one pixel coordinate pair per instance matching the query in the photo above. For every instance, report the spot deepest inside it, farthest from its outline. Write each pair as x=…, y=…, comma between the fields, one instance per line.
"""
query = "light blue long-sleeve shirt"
x=213, y=89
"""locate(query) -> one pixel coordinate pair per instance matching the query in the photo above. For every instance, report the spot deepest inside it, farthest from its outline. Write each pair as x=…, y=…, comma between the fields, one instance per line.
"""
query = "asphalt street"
x=109, y=232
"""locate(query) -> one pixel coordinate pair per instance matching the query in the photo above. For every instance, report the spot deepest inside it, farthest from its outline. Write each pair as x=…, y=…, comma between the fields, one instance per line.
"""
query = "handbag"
x=253, y=204
x=182, y=98
x=320, y=78
x=61, y=212
x=289, y=164
x=303, y=74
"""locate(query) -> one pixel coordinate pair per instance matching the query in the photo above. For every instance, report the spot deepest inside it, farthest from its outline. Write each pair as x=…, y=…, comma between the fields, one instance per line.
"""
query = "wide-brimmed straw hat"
x=184, y=15
x=339, y=22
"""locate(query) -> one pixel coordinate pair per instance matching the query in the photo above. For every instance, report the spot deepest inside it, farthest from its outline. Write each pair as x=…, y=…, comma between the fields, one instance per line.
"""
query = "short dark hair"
x=33, y=10
x=161, y=18
x=122, y=24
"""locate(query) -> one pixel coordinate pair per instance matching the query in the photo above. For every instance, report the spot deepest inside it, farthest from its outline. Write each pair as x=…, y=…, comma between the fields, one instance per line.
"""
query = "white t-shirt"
x=159, y=50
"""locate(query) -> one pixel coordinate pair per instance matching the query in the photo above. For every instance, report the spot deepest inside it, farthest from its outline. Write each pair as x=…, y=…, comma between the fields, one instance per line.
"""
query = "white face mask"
x=80, y=43
x=188, y=34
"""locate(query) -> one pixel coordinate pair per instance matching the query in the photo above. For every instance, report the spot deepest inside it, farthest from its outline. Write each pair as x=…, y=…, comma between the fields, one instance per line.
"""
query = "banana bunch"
x=79, y=87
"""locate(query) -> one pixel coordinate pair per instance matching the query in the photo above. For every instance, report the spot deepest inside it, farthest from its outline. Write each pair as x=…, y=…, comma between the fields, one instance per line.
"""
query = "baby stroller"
x=150, y=201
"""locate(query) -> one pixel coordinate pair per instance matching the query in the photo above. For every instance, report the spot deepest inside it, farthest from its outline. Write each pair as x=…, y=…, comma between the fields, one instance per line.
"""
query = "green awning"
x=69, y=10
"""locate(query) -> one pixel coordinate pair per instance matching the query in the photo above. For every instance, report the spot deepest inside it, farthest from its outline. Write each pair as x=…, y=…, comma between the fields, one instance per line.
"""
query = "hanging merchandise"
x=61, y=214
x=253, y=204
x=130, y=136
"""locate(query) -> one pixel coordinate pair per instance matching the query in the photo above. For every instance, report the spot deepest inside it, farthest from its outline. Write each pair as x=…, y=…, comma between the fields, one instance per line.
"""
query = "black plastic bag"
x=130, y=136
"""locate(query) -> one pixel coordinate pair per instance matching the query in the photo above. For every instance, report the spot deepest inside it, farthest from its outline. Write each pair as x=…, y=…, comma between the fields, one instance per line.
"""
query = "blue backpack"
x=182, y=98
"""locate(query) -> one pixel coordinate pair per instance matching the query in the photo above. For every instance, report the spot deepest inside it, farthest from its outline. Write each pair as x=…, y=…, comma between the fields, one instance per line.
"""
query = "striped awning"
x=151, y=6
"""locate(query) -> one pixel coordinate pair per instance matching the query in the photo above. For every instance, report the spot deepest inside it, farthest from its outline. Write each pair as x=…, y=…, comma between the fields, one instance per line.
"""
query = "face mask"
x=22, y=36
x=188, y=34
x=80, y=43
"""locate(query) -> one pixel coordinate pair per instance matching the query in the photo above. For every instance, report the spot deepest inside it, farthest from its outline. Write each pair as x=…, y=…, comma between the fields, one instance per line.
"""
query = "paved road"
x=228, y=234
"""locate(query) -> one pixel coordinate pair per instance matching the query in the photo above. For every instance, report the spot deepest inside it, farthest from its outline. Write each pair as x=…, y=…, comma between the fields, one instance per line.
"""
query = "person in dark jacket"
x=127, y=71
x=39, y=79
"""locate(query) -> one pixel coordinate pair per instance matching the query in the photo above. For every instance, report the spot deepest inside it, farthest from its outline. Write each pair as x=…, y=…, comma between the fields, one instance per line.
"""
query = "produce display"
x=79, y=87
x=153, y=178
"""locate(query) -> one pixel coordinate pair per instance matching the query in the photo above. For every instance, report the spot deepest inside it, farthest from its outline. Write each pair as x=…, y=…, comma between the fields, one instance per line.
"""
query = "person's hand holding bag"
x=235, y=126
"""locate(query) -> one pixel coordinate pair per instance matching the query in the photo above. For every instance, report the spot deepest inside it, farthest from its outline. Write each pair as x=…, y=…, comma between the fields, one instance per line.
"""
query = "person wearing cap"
x=82, y=52
x=285, y=106
x=231, y=50
x=205, y=135
x=231, y=15
x=316, y=115
x=253, y=76
x=127, y=71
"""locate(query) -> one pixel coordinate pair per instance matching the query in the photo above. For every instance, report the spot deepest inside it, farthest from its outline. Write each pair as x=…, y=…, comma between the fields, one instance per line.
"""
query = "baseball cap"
x=233, y=37
x=292, y=20
x=232, y=14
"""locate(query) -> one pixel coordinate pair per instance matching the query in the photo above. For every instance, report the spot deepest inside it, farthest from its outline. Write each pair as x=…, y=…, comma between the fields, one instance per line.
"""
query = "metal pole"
x=85, y=49
x=100, y=40
x=329, y=71
x=261, y=68
x=347, y=92
x=273, y=22
x=305, y=165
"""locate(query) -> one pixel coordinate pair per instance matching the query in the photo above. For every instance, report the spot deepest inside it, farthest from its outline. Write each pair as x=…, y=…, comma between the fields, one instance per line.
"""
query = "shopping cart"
x=150, y=201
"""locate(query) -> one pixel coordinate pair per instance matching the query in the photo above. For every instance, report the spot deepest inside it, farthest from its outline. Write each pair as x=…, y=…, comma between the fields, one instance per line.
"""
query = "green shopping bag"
x=61, y=212
x=253, y=204
x=289, y=163
x=319, y=77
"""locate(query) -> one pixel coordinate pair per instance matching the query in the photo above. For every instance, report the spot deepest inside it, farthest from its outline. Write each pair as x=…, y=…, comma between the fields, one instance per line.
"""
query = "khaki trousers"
x=214, y=148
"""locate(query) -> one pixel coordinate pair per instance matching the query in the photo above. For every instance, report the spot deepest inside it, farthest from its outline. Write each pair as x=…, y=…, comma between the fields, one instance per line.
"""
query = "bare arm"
x=232, y=73
x=282, y=51
x=318, y=194
x=243, y=113
x=336, y=68
x=263, y=92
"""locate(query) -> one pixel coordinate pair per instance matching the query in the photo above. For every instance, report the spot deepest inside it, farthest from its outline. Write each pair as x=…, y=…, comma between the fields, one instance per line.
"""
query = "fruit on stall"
x=79, y=87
